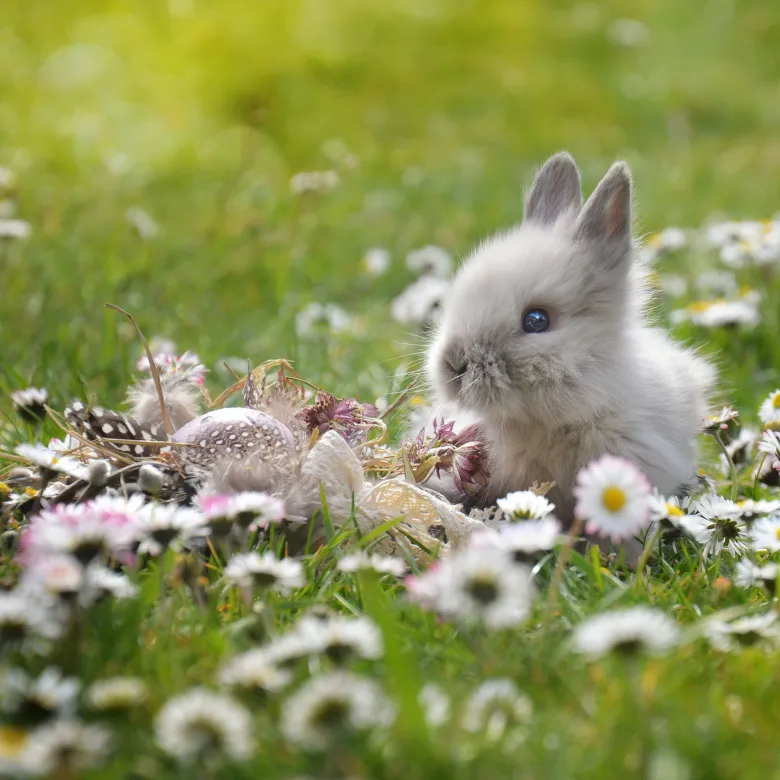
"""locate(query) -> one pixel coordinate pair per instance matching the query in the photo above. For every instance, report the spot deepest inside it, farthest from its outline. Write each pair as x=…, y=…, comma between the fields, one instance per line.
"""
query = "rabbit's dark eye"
x=536, y=321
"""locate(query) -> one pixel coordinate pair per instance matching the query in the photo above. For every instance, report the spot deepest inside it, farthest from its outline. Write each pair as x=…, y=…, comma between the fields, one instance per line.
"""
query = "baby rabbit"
x=545, y=338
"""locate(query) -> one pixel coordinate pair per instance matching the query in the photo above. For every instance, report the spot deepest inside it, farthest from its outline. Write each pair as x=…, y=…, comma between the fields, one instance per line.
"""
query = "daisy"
x=765, y=534
x=670, y=239
x=201, y=722
x=769, y=413
x=721, y=421
x=718, y=525
x=435, y=704
x=670, y=512
x=313, y=181
x=332, y=704
x=67, y=747
x=376, y=261
x=760, y=631
x=362, y=561
x=628, y=630
x=15, y=228
x=770, y=443
x=50, y=462
x=748, y=575
x=30, y=404
x=264, y=571
x=476, y=584
x=100, y=582
x=430, y=261
x=248, y=509
x=23, y=618
x=35, y=699
x=54, y=575
x=720, y=313
x=494, y=705
x=117, y=693
x=750, y=509
x=168, y=525
x=420, y=302
x=252, y=670
x=341, y=638
x=78, y=530
x=521, y=540
x=284, y=651
x=740, y=450
x=612, y=495
x=525, y=505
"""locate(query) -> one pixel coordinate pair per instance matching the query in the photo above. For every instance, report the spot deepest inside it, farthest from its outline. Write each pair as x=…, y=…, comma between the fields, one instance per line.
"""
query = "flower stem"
x=555, y=583
x=730, y=461
x=643, y=558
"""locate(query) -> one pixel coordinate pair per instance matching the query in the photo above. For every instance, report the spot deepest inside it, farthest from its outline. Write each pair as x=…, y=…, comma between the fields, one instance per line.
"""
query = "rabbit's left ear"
x=555, y=190
x=606, y=217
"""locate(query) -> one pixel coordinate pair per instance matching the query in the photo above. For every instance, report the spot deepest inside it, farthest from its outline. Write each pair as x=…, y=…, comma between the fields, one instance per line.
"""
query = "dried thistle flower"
x=347, y=416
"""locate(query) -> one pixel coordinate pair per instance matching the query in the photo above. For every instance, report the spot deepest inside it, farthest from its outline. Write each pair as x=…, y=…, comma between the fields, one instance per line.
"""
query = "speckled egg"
x=235, y=433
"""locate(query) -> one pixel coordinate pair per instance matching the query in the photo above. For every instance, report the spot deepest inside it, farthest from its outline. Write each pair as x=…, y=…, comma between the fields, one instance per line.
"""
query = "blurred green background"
x=434, y=112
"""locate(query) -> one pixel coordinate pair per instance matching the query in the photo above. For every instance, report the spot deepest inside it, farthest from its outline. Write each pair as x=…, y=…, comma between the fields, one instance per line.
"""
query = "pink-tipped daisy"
x=769, y=413
x=612, y=496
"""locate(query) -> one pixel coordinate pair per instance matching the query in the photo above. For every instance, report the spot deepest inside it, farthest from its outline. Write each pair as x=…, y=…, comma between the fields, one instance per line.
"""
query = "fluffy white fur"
x=601, y=379
x=181, y=397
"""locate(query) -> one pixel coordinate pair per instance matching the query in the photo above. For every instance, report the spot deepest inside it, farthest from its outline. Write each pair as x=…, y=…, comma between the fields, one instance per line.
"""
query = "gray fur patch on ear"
x=607, y=214
x=556, y=189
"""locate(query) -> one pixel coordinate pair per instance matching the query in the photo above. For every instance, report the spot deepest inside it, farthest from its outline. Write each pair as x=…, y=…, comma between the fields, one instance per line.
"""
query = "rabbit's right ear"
x=556, y=189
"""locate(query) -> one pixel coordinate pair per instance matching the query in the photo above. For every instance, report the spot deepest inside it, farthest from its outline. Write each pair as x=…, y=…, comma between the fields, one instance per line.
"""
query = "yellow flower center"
x=776, y=401
x=777, y=533
x=613, y=498
x=674, y=511
x=12, y=741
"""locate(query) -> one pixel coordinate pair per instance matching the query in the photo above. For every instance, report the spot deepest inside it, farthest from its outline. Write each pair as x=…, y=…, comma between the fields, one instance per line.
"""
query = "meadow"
x=154, y=156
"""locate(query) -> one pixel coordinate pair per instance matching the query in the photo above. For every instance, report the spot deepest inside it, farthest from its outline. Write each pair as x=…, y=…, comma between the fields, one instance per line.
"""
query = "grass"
x=199, y=113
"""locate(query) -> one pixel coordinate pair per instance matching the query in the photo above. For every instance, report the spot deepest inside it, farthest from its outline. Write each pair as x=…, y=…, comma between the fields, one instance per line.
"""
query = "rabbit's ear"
x=556, y=189
x=606, y=217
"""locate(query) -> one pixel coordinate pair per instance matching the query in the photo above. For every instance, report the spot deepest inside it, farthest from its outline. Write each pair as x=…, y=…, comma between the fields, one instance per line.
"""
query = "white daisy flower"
x=435, y=704
x=769, y=413
x=53, y=575
x=251, y=570
x=493, y=706
x=521, y=540
x=765, y=534
x=168, y=525
x=721, y=421
x=23, y=618
x=117, y=693
x=142, y=222
x=80, y=531
x=67, y=747
x=748, y=575
x=430, y=261
x=50, y=462
x=255, y=510
x=760, y=631
x=612, y=495
x=525, y=505
x=31, y=403
x=314, y=181
x=740, y=450
x=673, y=285
x=15, y=228
x=330, y=705
x=253, y=671
x=476, y=584
x=670, y=239
x=720, y=313
x=100, y=582
x=310, y=319
x=200, y=722
x=421, y=301
x=670, y=511
x=342, y=638
x=770, y=443
x=750, y=509
x=362, y=561
x=717, y=525
x=376, y=261
x=38, y=697
x=717, y=281
x=629, y=630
